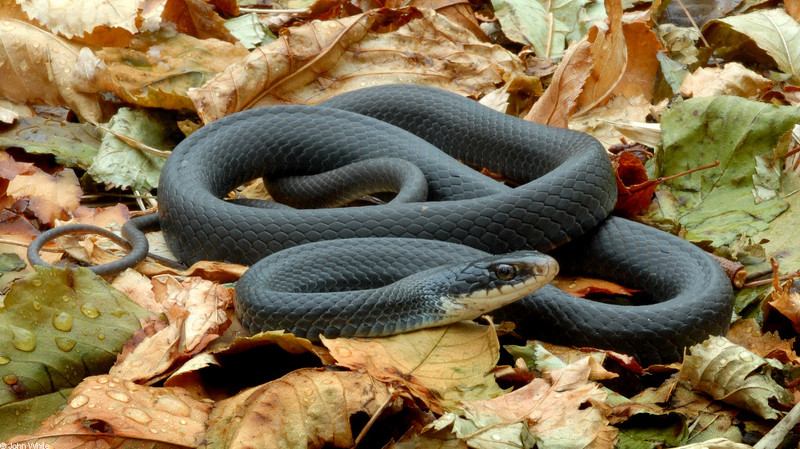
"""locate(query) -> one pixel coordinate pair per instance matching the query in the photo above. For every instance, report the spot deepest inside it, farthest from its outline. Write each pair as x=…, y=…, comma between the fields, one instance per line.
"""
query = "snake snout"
x=492, y=282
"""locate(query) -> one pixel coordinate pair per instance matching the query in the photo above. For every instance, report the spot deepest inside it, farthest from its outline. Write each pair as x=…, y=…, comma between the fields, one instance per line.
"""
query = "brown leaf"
x=100, y=22
x=105, y=408
x=581, y=286
x=747, y=333
x=441, y=366
x=316, y=61
x=563, y=408
x=635, y=191
x=195, y=309
x=198, y=18
x=733, y=79
x=40, y=68
x=642, y=45
x=306, y=408
x=167, y=66
x=49, y=197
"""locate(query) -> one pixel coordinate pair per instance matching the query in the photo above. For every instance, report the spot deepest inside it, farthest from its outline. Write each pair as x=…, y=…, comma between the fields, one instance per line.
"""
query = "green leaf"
x=721, y=203
x=73, y=144
x=529, y=22
x=58, y=326
x=25, y=416
x=118, y=164
x=773, y=31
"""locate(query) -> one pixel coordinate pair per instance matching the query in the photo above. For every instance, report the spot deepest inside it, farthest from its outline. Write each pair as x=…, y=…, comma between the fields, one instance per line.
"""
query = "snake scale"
x=566, y=191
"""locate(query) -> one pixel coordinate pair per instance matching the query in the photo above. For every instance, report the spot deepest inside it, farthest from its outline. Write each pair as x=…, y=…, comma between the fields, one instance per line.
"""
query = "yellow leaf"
x=39, y=67
x=309, y=407
x=442, y=366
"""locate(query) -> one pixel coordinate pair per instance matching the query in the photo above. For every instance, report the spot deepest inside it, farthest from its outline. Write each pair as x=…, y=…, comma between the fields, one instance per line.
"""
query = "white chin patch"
x=481, y=302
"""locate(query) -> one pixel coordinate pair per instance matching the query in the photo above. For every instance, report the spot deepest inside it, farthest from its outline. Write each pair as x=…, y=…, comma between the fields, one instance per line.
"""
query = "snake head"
x=486, y=284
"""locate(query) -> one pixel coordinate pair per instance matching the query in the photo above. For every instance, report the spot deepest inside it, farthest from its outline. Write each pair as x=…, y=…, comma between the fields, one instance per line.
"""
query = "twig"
x=25, y=245
x=774, y=437
x=374, y=418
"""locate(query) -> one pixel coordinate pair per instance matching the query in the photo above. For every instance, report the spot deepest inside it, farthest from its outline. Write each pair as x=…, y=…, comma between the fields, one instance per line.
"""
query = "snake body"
x=567, y=190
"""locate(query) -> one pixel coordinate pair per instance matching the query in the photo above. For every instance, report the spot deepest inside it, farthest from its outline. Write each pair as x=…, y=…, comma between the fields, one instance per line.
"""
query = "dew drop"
x=4, y=359
x=78, y=401
x=65, y=344
x=101, y=336
x=153, y=430
x=183, y=421
x=90, y=310
x=137, y=415
x=24, y=340
x=10, y=379
x=496, y=437
x=37, y=306
x=118, y=396
x=173, y=406
x=102, y=380
x=36, y=282
x=63, y=321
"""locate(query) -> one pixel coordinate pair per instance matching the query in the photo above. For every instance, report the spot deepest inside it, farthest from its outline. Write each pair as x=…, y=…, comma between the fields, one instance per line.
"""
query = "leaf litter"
x=164, y=68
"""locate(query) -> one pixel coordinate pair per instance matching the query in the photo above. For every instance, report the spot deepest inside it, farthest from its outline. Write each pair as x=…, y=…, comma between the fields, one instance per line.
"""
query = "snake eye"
x=505, y=271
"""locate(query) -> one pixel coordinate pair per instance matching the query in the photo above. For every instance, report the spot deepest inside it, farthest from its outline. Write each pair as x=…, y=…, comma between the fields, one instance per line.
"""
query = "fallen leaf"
x=561, y=409
x=49, y=197
x=199, y=19
x=306, y=408
x=195, y=309
x=441, y=366
x=747, y=333
x=58, y=326
x=734, y=375
x=72, y=144
x=108, y=409
x=113, y=22
x=581, y=286
x=38, y=67
x=772, y=30
x=733, y=79
x=351, y=54
x=719, y=204
x=158, y=68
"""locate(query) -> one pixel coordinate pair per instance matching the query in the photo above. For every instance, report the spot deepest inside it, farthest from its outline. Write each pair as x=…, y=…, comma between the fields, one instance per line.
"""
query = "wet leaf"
x=732, y=374
x=49, y=197
x=58, y=326
x=306, y=408
x=111, y=409
x=74, y=145
x=38, y=67
x=441, y=366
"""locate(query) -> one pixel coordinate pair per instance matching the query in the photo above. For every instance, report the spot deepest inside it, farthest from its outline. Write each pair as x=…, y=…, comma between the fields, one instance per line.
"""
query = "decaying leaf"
x=748, y=334
x=49, y=197
x=321, y=59
x=563, y=409
x=442, y=366
x=734, y=375
x=85, y=17
x=195, y=309
x=719, y=204
x=73, y=144
x=772, y=30
x=306, y=408
x=39, y=68
x=158, y=68
x=112, y=409
x=733, y=79
x=121, y=165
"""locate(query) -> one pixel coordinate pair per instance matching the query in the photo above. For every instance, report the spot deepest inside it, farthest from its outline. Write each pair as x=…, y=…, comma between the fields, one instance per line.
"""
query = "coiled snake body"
x=567, y=191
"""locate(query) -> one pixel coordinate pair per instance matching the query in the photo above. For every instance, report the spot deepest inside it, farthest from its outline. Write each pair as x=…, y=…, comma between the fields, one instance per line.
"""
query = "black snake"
x=567, y=189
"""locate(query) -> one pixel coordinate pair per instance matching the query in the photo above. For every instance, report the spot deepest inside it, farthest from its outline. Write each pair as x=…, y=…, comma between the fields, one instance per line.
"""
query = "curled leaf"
x=734, y=375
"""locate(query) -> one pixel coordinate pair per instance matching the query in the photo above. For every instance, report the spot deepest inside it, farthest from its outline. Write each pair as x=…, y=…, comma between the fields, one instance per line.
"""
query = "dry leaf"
x=563, y=409
x=105, y=408
x=316, y=61
x=158, y=69
x=195, y=309
x=747, y=333
x=441, y=366
x=114, y=21
x=49, y=197
x=642, y=45
x=582, y=286
x=38, y=67
x=734, y=375
x=197, y=18
x=733, y=79
x=308, y=408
